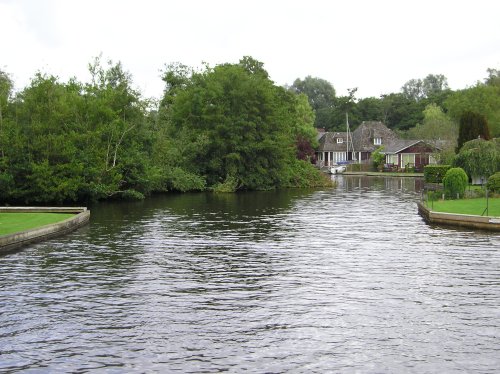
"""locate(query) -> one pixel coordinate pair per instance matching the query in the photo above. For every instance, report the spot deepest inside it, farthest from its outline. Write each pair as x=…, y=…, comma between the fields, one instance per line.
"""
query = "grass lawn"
x=467, y=206
x=14, y=222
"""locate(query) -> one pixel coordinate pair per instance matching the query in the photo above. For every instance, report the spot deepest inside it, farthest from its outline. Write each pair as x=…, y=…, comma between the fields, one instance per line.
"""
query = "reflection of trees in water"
x=394, y=184
x=236, y=214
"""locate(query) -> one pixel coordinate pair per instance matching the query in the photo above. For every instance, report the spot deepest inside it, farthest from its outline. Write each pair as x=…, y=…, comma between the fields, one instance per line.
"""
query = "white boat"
x=337, y=169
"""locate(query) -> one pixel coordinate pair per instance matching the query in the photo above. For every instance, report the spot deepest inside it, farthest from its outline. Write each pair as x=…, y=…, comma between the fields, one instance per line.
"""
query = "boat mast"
x=347, y=125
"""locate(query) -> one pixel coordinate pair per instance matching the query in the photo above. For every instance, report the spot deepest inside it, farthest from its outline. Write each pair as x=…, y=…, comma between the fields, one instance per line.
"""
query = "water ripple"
x=345, y=280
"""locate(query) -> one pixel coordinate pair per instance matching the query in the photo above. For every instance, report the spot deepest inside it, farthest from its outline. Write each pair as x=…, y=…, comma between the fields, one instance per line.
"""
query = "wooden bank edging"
x=14, y=241
x=460, y=220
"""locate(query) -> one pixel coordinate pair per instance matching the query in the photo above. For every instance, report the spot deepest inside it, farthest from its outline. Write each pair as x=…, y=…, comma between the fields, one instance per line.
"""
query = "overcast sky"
x=375, y=45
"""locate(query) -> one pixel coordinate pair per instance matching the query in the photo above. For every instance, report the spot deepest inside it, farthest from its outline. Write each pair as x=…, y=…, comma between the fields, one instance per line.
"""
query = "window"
x=392, y=159
x=377, y=141
x=407, y=159
x=340, y=140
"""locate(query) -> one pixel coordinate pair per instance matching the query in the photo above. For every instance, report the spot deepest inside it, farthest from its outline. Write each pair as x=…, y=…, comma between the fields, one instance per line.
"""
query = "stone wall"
x=14, y=241
x=459, y=220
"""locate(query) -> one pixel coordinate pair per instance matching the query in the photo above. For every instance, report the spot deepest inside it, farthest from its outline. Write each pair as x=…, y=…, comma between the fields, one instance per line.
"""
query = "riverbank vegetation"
x=16, y=222
x=224, y=128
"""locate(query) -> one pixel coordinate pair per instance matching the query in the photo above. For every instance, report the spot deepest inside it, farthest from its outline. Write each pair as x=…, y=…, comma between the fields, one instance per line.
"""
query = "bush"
x=455, y=182
x=435, y=173
x=493, y=183
x=230, y=184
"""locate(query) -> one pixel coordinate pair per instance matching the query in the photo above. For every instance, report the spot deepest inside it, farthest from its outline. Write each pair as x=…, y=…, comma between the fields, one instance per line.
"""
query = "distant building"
x=338, y=147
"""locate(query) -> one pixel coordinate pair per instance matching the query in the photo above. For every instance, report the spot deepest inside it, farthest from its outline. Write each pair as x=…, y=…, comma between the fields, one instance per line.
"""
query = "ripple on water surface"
x=343, y=280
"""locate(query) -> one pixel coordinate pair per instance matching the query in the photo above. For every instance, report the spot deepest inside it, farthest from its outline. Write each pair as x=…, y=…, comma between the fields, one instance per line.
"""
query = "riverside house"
x=358, y=146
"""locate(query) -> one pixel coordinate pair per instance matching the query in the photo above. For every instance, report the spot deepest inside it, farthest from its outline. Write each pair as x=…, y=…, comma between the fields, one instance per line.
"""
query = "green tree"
x=321, y=96
x=493, y=77
x=436, y=126
x=482, y=98
x=434, y=84
x=320, y=92
x=479, y=158
x=401, y=112
x=472, y=126
x=418, y=89
x=72, y=141
x=240, y=128
x=5, y=92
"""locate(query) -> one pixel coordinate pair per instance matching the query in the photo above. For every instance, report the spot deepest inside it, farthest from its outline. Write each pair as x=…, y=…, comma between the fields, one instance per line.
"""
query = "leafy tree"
x=481, y=98
x=368, y=109
x=418, y=89
x=241, y=129
x=72, y=141
x=493, y=77
x=5, y=92
x=400, y=112
x=479, y=158
x=472, y=125
x=434, y=84
x=320, y=92
x=436, y=126
x=413, y=89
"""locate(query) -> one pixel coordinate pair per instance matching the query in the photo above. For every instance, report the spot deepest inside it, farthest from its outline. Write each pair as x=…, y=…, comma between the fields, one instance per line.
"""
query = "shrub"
x=378, y=158
x=230, y=184
x=455, y=182
x=435, y=173
x=493, y=183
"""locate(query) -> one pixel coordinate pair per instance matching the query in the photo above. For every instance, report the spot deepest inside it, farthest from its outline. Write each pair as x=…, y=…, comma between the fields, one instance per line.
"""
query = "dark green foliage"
x=479, y=158
x=435, y=173
x=72, y=142
x=455, y=182
x=231, y=126
x=300, y=173
x=493, y=183
x=472, y=126
x=481, y=98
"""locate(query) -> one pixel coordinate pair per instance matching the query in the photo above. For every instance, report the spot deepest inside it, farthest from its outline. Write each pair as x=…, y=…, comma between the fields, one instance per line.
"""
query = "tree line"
x=225, y=128
x=222, y=128
x=404, y=110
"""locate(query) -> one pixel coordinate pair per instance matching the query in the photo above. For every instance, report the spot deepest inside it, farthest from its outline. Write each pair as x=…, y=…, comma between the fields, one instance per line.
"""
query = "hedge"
x=435, y=173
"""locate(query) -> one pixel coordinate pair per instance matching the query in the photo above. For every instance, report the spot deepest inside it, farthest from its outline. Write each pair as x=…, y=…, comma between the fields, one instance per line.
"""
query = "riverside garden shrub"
x=455, y=182
x=493, y=183
x=435, y=173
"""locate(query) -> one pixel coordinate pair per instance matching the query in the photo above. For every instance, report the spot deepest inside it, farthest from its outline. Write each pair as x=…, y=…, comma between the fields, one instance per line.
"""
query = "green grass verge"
x=467, y=206
x=15, y=222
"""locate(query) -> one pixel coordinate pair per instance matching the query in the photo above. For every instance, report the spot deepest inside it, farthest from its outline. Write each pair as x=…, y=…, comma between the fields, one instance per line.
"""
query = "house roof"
x=364, y=135
x=328, y=142
x=399, y=145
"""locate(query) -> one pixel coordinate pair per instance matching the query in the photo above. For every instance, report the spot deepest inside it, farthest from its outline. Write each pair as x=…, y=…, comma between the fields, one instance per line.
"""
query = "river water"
x=346, y=280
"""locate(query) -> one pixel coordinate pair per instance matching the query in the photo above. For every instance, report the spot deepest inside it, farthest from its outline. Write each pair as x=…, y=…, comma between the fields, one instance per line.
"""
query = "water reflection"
x=342, y=280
